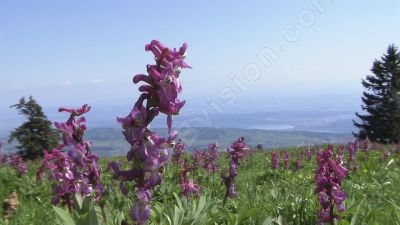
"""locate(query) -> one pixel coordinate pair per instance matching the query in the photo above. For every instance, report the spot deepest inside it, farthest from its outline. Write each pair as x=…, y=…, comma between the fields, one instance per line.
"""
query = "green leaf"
x=178, y=200
x=64, y=215
x=93, y=220
x=87, y=202
x=78, y=200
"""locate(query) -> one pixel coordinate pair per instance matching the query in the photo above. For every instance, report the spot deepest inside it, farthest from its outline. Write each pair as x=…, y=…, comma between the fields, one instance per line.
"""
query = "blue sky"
x=244, y=54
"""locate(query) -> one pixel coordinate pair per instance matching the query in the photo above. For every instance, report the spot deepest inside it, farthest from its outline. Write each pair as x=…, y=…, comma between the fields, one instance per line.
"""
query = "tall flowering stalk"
x=329, y=176
x=72, y=167
x=352, y=152
x=275, y=160
x=210, y=158
x=188, y=186
x=197, y=159
x=15, y=160
x=308, y=153
x=385, y=156
x=340, y=154
x=178, y=151
x=297, y=164
x=237, y=152
x=364, y=144
x=148, y=152
x=286, y=159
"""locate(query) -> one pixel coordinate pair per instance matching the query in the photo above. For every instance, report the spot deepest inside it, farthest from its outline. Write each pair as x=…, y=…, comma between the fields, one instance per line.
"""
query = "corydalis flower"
x=178, y=151
x=237, y=152
x=329, y=176
x=162, y=84
x=197, y=159
x=286, y=158
x=352, y=152
x=385, y=156
x=148, y=152
x=275, y=160
x=210, y=158
x=188, y=186
x=74, y=171
x=308, y=154
x=297, y=164
x=16, y=161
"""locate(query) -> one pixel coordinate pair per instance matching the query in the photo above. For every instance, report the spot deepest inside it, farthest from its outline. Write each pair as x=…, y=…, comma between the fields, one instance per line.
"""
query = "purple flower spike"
x=76, y=170
x=189, y=187
x=298, y=164
x=286, y=158
x=149, y=151
x=329, y=176
x=14, y=160
x=178, y=151
x=275, y=160
x=210, y=158
x=237, y=152
x=352, y=150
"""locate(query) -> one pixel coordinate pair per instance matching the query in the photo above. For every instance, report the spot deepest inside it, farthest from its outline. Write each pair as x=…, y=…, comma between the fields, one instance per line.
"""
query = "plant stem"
x=225, y=198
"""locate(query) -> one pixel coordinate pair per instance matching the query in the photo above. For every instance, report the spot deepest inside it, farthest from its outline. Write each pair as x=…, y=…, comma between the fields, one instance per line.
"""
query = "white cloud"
x=97, y=81
x=65, y=83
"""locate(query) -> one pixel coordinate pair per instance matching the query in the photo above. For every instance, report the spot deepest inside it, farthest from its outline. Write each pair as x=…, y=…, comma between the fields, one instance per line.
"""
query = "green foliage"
x=83, y=213
x=36, y=133
x=382, y=100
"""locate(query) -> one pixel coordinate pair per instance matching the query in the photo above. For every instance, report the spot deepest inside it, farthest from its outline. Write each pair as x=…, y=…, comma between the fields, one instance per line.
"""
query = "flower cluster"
x=385, y=156
x=210, y=158
x=308, y=153
x=178, y=151
x=197, y=159
x=364, y=144
x=340, y=154
x=352, y=152
x=206, y=159
x=75, y=170
x=286, y=159
x=297, y=164
x=329, y=176
x=14, y=160
x=275, y=160
x=148, y=152
x=237, y=151
x=189, y=187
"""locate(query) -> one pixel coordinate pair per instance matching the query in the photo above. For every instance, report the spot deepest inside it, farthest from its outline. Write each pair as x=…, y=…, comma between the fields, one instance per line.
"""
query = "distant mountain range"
x=270, y=128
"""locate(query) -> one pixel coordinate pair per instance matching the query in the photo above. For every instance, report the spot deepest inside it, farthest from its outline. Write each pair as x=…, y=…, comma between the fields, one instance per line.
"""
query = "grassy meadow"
x=265, y=196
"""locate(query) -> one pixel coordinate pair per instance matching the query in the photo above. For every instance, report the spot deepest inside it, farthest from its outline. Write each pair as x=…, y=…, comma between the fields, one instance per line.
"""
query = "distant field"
x=110, y=141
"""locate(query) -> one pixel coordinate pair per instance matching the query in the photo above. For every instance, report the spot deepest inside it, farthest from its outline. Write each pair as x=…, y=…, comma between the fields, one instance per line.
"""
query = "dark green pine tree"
x=36, y=133
x=381, y=100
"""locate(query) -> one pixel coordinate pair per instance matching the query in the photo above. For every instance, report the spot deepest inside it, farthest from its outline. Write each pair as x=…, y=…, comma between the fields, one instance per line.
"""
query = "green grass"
x=265, y=196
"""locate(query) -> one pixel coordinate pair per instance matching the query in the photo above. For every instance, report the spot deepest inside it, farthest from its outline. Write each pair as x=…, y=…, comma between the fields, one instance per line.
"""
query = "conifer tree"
x=381, y=100
x=35, y=134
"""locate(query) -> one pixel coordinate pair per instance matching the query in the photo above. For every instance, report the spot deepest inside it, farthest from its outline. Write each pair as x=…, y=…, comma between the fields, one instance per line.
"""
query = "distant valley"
x=110, y=141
